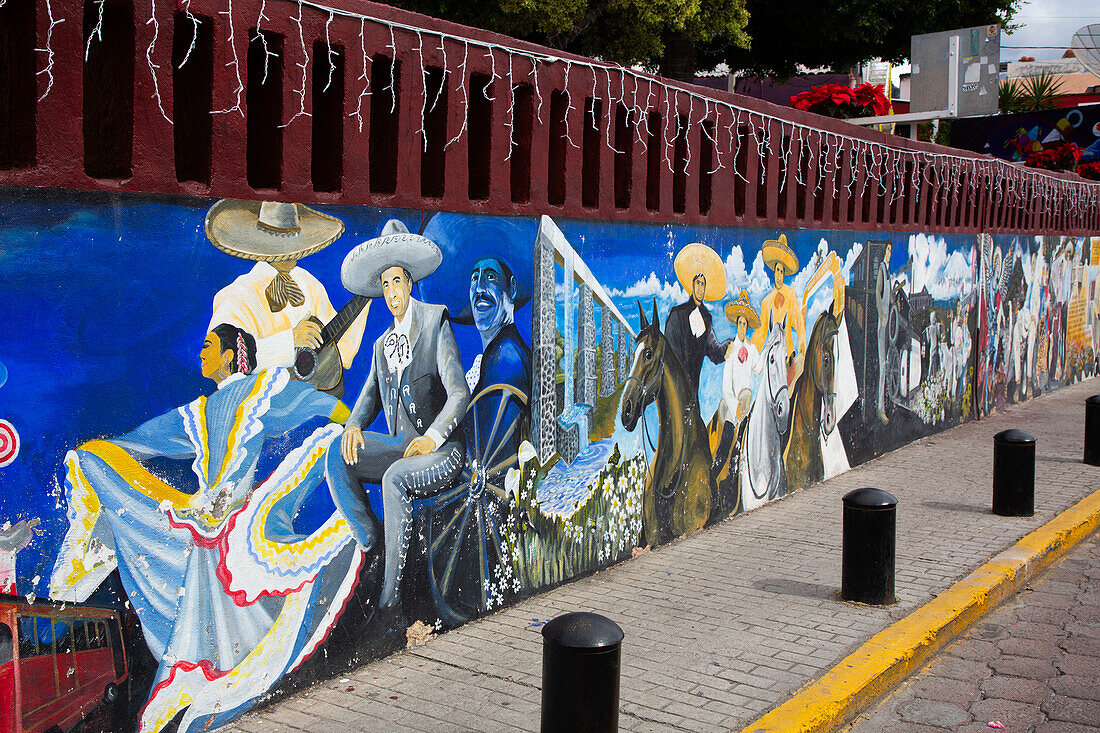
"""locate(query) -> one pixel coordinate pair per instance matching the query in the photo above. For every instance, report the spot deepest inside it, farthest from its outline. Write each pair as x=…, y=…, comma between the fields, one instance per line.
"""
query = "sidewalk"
x=726, y=624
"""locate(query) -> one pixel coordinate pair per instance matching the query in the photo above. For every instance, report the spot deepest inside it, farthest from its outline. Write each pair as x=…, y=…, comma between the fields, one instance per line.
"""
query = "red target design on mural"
x=9, y=443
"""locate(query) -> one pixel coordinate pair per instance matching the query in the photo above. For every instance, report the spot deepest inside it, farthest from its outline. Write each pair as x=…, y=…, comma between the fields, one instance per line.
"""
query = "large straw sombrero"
x=363, y=266
x=272, y=231
x=467, y=239
x=696, y=258
x=741, y=307
x=777, y=251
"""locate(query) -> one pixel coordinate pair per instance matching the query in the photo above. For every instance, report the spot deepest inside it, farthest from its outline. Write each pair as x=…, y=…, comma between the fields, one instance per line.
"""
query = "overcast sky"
x=1048, y=23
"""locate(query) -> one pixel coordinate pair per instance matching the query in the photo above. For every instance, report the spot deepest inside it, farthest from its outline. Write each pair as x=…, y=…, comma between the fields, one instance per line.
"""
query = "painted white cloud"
x=652, y=287
x=947, y=276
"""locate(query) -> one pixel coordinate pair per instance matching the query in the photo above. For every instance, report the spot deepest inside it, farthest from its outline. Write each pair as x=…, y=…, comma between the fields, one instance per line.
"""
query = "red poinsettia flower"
x=839, y=100
x=1089, y=170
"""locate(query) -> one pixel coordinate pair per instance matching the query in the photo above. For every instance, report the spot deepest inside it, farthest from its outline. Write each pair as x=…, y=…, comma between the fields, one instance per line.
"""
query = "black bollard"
x=867, y=574
x=580, y=674
x=1092, y=430
x=1014, y=473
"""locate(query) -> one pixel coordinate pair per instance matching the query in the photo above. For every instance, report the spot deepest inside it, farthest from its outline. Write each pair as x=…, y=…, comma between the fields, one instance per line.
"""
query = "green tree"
x=672, y=37
x=678, y=37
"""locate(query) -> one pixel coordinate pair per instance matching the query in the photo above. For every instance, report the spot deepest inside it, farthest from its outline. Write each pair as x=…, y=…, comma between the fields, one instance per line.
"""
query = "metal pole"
x=870, y=531
x=580, y=674
x=1014, y=473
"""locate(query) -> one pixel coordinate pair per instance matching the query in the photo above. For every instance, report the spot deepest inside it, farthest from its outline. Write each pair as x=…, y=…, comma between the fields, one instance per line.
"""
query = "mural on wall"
x=1039, y=319
x=205, y=444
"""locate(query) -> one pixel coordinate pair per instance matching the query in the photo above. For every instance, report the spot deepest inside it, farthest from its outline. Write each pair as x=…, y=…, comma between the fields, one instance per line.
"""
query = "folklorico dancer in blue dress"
x=230, y=593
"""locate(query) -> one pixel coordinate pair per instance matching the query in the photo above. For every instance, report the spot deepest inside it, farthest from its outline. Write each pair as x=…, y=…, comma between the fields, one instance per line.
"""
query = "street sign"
x=956, y=71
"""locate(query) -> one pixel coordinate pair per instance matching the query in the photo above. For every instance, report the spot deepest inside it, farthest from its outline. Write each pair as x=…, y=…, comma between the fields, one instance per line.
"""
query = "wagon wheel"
x=463, y=526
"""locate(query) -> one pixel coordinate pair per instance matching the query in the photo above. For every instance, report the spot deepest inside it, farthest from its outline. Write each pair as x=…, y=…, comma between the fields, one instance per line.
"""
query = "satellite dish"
x=1086, y=47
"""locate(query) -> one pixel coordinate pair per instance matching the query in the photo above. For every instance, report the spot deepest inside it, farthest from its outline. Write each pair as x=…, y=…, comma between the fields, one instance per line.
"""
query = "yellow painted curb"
x=897, y=651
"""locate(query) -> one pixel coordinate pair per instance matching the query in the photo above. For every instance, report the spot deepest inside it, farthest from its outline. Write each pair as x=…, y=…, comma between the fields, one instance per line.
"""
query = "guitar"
x=322, y=366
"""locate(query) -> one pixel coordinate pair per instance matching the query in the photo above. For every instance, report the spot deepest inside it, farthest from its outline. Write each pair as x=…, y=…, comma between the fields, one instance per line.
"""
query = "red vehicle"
x=58, y=662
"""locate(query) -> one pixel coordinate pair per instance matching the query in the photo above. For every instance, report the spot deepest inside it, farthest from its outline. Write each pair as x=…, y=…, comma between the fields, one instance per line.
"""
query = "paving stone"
x=1059, y=726
x=1014, y=715
x=1034, y=669
x=940, y=689
x=1015, y=688
x=1073, y=710
x=1035, y=648
x=1083, y=688
x=1088, y=645
x=926, y=712
x=962, y=669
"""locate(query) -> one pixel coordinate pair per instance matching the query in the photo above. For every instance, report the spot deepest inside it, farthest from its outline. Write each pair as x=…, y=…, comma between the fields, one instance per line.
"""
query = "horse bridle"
x=824, y=396
x=652, y=387
x=651, y=383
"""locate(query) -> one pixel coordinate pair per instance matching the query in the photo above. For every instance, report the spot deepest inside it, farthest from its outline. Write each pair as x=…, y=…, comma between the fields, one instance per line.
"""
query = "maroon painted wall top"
x=354, y=102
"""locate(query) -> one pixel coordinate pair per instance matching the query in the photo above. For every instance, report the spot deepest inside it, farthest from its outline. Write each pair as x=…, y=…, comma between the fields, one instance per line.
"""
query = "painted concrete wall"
x=584, y=395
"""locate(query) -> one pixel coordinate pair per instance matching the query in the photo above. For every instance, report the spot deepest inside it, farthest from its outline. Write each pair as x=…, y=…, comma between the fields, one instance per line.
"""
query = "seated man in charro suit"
x=416, y=378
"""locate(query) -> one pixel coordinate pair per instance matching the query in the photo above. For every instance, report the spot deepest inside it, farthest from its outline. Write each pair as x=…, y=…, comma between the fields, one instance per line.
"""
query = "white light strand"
x=48, y=50
x=235, y=62
x=664, y=132
x=330, y=53
x=194, y=33
x=493, y=76
x=393, y=72
x=939, y=164
x=423, y=133
x=465, y=97
x=149, y=59
x=538, y=92
x=304, y=66
x=97, y=31
x=612, y=112
x=786, y=157
x=687, y=136
x=446, y=73
x=568, y=106
x=713, y=142
x=364, y=77
x=511, y=123
x=268, y=53
x=763, y=146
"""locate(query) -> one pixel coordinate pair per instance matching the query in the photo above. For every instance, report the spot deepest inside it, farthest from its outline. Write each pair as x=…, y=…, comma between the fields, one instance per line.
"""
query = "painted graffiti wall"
x=1038, y=311
x=274, y=441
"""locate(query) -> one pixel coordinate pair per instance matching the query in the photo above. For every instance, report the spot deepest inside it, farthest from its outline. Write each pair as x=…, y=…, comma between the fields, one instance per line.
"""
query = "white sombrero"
x=362, y=270
x=272, y=231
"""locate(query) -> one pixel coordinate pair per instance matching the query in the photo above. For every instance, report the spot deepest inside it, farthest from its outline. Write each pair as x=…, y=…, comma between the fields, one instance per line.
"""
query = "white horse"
x=761, y=473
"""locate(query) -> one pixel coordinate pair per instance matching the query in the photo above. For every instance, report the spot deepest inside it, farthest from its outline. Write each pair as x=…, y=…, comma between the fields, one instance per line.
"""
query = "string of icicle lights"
x=1010, y=184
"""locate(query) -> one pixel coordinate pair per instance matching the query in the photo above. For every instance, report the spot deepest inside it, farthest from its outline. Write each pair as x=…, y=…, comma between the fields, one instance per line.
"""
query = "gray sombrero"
x=363, y=266
x=271, y=231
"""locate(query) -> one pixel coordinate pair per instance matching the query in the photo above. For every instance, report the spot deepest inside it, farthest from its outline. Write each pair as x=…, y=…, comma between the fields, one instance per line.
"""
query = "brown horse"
x=679, y=492
x=814, y=410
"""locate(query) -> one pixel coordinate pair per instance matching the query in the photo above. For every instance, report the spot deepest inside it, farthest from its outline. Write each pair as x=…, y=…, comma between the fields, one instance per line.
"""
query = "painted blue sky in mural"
x=98, y=344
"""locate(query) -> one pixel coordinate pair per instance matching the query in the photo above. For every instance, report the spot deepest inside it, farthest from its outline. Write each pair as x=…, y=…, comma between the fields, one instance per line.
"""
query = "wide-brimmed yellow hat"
x=695, y=259
x=272, y=231
x=740, y=307
x=777, y=251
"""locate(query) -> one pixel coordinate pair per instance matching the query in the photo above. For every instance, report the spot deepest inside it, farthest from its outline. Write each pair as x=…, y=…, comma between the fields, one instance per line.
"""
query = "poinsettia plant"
x=1089, y=170
x=1060, y=156
x=838, y=100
